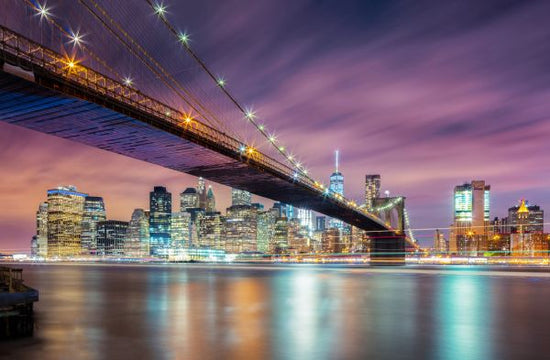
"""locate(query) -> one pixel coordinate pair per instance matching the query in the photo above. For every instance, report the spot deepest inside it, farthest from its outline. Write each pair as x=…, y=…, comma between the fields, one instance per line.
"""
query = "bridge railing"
x=69, y=69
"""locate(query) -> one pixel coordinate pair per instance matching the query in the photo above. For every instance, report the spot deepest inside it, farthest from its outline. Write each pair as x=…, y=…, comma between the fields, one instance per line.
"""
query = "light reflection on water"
x=302, y=312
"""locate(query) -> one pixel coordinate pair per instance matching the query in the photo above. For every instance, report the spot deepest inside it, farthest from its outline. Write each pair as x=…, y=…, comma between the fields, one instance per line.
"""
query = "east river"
x=285, y=312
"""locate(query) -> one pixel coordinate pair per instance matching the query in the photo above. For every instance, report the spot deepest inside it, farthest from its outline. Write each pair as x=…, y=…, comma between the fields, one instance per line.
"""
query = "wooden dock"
x=16, y=304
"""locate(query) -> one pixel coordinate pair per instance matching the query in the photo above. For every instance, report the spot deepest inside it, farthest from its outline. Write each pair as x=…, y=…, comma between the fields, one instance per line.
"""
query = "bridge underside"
x=81, y=118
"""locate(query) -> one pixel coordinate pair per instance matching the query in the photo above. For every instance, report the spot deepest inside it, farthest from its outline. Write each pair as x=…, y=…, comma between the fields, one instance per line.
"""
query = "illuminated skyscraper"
x=530, y=218
x=42, y=230
x=180, y=227
x=201, y=191
x=266, y=230
x=210, y=200
x=137, y=236
x=372, y=190
x=305, y=220
x=94, y=212
x=471, y=217
x=240, y=228
x=210, y=231
x=336, y=186
x=111, y=235
x=65, y=210
x=240, y=197
x=189, y=199
x=159, y=221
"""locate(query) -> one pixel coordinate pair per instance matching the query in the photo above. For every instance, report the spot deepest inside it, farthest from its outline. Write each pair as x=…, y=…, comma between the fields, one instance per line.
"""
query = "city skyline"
x=471, y=135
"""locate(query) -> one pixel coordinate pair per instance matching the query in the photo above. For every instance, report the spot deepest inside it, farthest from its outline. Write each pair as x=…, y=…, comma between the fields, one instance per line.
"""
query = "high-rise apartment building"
x=111, y=235
x=372, y=190
x=65, y=211
x=160, y=202
x=42, y=230
x=94, y=212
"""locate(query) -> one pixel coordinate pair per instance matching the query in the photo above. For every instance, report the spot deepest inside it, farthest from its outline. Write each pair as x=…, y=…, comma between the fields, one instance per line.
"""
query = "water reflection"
x=464, y=317
x=305, y=312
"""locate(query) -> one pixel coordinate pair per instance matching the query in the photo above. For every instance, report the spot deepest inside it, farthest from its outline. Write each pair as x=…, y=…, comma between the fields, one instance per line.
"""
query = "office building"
x=372, y=190
x=210, y=200
x=471, y=209
x=111, y=235
x=240, y=197
x=211, y=231
x=65, y=212
x=180, y=228
x=137, y=236
x=189, y=199
x=42, y=230
x=94, y=212
x=160, y=202
x=241, y=228
x=336, y=186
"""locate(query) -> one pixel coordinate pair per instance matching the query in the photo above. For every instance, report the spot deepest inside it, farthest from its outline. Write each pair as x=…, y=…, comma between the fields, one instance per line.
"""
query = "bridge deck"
x=91, y=119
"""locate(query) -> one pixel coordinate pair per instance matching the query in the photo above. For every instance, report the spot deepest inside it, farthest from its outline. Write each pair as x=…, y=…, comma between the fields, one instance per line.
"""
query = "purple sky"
x=429, y=94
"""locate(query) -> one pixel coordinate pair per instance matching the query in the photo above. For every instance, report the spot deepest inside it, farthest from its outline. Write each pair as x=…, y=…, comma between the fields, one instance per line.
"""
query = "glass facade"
x=160, y=220
x=94, y=212
x=65, y=212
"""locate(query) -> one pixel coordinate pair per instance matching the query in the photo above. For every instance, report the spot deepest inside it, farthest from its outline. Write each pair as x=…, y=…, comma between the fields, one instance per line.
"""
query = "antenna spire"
x=336, y=160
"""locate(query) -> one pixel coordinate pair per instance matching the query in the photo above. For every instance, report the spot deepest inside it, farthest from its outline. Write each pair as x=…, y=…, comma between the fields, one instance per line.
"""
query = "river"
x=198, y=311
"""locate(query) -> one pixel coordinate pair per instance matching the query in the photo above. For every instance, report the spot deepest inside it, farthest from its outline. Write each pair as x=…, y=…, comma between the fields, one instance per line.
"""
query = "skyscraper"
x=111, y=235
x=94, y=212
x=305, y=220
x=240, y=197
x=210, y=231
x=137, y=236
x=201, y=191
x=189, y=199
x=42, y=230
x=336, y=186
x=210, y=200
x=65, y=211
x=372, y=190
x=241, y=228
x=266, y=230
x=159, y=222
x=471, y=216
x=180, y=224
x=529, y=217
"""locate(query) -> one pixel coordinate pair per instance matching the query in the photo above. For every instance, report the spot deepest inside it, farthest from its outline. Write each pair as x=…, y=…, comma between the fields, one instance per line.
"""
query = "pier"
x=16, y=304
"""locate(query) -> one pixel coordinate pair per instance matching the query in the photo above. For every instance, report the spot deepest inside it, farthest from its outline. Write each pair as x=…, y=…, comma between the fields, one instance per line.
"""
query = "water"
x=299, y=312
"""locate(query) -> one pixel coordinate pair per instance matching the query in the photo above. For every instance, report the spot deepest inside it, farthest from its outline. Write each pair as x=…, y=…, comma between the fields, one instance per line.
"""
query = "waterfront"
x=303, y=311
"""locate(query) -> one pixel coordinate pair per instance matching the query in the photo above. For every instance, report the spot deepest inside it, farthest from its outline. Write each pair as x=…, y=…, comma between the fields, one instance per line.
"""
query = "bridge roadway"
x=37, y=95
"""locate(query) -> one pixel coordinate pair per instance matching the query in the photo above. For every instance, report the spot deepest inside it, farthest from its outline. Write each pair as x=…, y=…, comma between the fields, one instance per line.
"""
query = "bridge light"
x=184, y=38
x=295, y=176
x=43, y=10
x=76, y=38
x=282, y=148
x=290, y=158
x=127, y=81
x=272, y=138
x=221, y=82
x=187, y=119
x=160, y=9
x=242, y=148
x=71, y=64
x=250, y=114
x=305, y=171
x=261, y=127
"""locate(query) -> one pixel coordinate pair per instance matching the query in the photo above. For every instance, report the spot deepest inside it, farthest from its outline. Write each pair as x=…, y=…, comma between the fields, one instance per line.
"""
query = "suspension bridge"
x=76, y=94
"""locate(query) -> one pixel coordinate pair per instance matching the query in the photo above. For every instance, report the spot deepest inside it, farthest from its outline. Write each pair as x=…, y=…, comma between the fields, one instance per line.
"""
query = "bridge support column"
x=388, y=249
